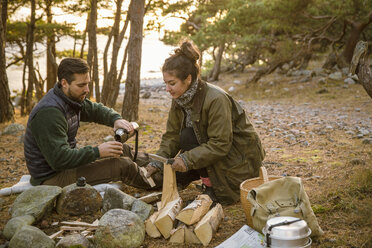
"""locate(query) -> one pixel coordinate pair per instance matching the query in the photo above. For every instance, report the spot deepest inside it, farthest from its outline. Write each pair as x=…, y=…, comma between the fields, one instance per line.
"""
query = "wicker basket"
x=249, y=184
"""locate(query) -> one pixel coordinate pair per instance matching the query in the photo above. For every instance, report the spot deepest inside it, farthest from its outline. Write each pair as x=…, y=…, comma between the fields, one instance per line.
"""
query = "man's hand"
x=121, y=123
x=110, y=149
x=179, y=165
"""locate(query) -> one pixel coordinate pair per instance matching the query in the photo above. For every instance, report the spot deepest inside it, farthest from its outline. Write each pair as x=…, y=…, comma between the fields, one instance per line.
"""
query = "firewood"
x=190, y=236
x=195, y=210
x=72, y=228
x=149, y=179
x=178, y=235
x=54, y=235
x=151, y=229
x=166, y=217
x=170, y=192
x=208, y=225
x=150, y=198
x=78, y=223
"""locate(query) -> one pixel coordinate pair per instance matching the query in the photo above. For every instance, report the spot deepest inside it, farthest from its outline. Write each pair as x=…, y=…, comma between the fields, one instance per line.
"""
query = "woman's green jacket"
x=230, y=148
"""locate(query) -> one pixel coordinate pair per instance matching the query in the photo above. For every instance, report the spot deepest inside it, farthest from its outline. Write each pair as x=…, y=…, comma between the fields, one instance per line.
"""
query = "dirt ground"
x=317, y=131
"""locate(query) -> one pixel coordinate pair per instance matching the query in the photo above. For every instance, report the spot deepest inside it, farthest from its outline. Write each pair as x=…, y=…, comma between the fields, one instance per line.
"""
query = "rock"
x=237, y=82
x=13, y=128
x=36, y=201
x=119, y=228
x=108, y=138
x=142, y=209
x=286, y=89
x=231, y=89
x=79, y=200
x=349, y=81
x=322, y=81
x=336, y=76
x=146, y=95
x=357, y=161
x=322, y=91
x=16, y=223
x=74, y=240
x=115, y=198
x=30, y=236
x=367, y=141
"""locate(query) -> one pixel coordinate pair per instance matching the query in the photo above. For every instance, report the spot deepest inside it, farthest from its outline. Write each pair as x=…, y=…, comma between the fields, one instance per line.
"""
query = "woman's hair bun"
x=188, y=49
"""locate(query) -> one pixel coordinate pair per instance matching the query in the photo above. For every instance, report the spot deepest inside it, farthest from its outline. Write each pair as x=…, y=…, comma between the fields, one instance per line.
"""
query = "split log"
x=170, y=192
x=150, y=198
x=195, y=210
x=178, y=234
x=190, y=236
x=166, y=217
x=149, y=179
x=150, y=227
x=205, y=229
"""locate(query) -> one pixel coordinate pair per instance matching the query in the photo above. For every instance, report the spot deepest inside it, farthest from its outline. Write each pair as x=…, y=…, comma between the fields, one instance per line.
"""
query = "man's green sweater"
x=49, y=128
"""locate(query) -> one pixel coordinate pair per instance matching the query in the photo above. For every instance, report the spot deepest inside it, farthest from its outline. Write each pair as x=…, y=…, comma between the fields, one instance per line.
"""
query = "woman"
x=208, y=129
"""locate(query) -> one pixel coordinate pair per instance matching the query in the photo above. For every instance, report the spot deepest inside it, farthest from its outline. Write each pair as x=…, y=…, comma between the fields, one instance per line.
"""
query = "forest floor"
x=320, y=132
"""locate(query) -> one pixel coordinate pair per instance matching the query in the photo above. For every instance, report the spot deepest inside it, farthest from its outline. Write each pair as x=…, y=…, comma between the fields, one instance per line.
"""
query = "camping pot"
x=286, y=231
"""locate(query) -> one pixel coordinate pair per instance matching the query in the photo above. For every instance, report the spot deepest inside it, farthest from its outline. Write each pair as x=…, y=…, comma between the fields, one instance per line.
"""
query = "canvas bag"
x=282, y=197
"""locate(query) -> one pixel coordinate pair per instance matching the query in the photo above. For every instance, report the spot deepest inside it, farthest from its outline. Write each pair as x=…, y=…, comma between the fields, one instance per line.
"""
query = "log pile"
x=194, y=224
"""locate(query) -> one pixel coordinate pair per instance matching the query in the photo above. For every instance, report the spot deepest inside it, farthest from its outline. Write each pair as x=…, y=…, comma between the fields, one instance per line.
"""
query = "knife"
x=161, y=159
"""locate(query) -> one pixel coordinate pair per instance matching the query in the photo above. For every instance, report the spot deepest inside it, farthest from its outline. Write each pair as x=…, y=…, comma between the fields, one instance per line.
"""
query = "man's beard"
x=76, y=99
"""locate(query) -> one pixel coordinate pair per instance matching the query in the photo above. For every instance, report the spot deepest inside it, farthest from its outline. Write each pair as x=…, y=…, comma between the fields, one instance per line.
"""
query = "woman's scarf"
x=185, y=101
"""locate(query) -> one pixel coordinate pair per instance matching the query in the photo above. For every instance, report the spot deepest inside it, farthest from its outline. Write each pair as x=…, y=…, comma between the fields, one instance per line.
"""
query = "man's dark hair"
x=69, y=66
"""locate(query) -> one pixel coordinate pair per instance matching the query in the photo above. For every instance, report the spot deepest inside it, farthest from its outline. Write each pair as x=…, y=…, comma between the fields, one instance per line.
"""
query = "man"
x=50, y=150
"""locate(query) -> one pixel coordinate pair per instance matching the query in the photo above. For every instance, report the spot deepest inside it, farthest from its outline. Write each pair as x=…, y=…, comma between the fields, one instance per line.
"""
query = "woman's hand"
x=179, y=165
x=153, y=167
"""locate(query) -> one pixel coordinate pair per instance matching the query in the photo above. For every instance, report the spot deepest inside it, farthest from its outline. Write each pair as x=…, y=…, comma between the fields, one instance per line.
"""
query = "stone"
x=37, y=201
x=237, y=82
x=30, y=236
x=322, y=81
x=142, y=209
x=74, y=240
x=322, y=91
x=13, y=128
x=336, y=76
x=231, y=89
x=349, y=81
x=146, y=95
x=79, y=200
x=367, y=141
x=115, y=198
x=119, y=228
x=16, y=223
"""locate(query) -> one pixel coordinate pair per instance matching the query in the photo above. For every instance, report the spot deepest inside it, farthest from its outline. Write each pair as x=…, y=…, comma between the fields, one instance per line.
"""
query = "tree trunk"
x=113, y=94
x=356, y=29
x=110, y=80
x=84, y=39
x=92, y=51
x=6, y=107
x=217, y=64
x=30, y=59
x=132, y=83
x=51, y=50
